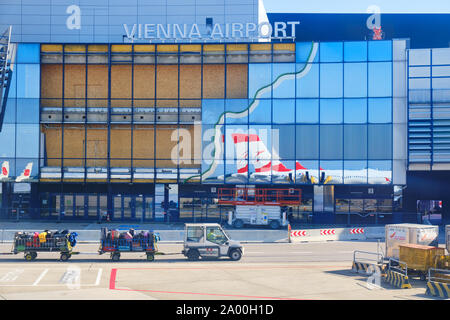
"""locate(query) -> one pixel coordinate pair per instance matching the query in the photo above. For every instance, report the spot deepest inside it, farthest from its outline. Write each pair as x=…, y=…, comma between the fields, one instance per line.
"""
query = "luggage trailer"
x=30, y=246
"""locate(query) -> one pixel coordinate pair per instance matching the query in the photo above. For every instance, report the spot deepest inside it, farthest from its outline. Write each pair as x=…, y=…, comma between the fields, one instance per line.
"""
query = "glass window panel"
x=380, y=172
x=331, y=142
x=307, y=171
x=28, y=80
x=212, y=109
x=332, y=171
x=236, y=142
x=307, y=142
x=355, y=80
x=28, y=53
x=28, y=110
x=303, y=51
x=331, y=51
x=262, y=111
x=283, y=81
x=331, y=80
x=308, y=85
x=283, y=111
x=380, y=141
x=355, y=51
x=355, y=110
x=331, y=111
x=355, y=142
x=380, y=50
x=283, y=140
x=236, y=108
x=380, y=79
x=22, y=163
x=307, y=111
x=10, y=111
x=27, y=140
x=342, y=205
x=419, y=57
x=260, y=76
x=380, y=110
x=441, y=56
x=355, y=172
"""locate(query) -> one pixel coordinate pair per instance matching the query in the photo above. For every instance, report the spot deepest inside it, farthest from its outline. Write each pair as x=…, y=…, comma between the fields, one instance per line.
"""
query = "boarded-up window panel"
x=97, y=86
x=74, y=137
x=190, y=85
x=121, y=145
x=121, y=86
x=190, y=147
x=237, y=81
x=167, y=85
x=213, y=81
x=74, y=85
x=96, y=146
x=166, y=144
x=51, y=85
x=53, y=145
x=144, y=86
x=143, y=146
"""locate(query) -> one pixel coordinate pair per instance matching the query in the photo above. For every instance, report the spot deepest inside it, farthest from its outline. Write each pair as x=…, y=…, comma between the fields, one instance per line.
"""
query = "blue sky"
x=357, y=6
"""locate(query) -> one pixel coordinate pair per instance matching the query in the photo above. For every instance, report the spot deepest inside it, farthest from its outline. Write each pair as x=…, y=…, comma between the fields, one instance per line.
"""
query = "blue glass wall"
x=19, y=136
x=327, y=118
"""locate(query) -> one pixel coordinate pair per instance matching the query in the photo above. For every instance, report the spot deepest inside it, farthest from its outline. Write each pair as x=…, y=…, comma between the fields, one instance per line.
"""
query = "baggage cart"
x=398, y=234
x=115, y=246
x=31, y=243
x=420, y=258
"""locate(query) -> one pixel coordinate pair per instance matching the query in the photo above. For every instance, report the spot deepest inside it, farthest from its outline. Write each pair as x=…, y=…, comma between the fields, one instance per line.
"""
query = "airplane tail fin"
x=5, y=170
x=26, y=174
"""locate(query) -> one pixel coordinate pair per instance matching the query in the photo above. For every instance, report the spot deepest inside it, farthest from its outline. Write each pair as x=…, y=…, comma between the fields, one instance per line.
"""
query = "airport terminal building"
x=147, y=110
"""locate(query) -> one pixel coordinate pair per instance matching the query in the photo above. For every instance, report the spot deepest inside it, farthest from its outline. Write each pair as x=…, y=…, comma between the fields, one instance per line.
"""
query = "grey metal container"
x=397, y=234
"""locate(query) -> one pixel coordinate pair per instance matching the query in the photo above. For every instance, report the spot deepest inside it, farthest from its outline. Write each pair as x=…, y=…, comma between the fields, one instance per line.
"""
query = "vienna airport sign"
x=216, y=31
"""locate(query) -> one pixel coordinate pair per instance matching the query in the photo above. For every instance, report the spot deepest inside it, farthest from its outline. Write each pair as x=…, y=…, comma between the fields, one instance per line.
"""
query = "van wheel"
x=115, y=257
x=235, y=255
x=274, y=224
x=193, y=255
x=238, y=224
x=64, y=257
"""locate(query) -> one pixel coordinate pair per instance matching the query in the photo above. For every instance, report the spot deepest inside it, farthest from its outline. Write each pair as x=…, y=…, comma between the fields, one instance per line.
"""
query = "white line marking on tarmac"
x=40, y=277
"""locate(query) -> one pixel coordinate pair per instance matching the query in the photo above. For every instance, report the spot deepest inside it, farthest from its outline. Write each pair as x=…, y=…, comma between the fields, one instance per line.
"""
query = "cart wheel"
x=33, y=255
x=150, y=257
x=423, y=276
x=193, y=255
x=115, y=257
x=235, y=254
x=64, y=256
x=28, y=256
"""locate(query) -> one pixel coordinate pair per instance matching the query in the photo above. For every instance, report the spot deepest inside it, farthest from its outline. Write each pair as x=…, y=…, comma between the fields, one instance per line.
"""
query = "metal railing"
x=373, y=257
x=438, y=275
x=398, y=266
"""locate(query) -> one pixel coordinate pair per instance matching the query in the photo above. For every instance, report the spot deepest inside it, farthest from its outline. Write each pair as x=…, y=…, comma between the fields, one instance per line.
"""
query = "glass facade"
x=429, y=109
x=108, y=127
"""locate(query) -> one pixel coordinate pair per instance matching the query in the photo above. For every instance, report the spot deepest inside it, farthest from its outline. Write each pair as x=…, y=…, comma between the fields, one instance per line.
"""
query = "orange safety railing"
x=259, y=196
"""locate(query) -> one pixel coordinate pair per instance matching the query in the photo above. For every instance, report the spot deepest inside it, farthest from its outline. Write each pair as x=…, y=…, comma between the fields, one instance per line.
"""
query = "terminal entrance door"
x=323, y=204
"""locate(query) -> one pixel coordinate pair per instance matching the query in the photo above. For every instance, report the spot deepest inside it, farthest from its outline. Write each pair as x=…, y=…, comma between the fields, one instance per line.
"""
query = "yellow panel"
x=260, y=46
x=213, y=47
x=51, y=48
x=144, y=48
x=121, y=48
x=190, y=48
x=167, y=48
x=97, y=48
x=74, y=48
x=236, y=47
x=284, y=46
